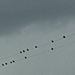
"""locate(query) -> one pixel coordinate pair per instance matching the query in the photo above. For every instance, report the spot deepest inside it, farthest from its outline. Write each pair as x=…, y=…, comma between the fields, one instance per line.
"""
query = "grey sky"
x=16, y=14
x=26, y=23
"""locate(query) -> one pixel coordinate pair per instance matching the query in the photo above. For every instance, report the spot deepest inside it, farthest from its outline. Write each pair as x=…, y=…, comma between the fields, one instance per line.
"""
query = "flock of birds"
x=23, y=51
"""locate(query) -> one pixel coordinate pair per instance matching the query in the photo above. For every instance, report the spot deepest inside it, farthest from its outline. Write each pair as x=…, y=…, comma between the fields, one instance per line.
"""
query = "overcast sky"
x=26, y=23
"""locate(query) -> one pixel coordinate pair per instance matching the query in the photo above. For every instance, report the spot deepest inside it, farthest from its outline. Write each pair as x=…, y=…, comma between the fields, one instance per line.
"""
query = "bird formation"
x=23, y=51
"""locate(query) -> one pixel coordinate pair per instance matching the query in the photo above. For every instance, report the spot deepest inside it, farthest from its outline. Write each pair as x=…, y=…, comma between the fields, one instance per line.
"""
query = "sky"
x=27, y=23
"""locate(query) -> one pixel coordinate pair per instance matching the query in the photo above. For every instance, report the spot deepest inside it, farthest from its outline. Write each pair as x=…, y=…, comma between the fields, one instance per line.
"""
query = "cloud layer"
x=16, y=14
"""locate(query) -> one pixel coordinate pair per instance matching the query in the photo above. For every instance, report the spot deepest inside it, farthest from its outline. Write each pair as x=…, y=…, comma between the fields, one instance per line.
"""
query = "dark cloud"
x=15, y=14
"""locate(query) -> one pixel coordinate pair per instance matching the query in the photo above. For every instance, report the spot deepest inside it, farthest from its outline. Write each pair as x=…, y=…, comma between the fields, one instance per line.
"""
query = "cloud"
x=17, y=14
